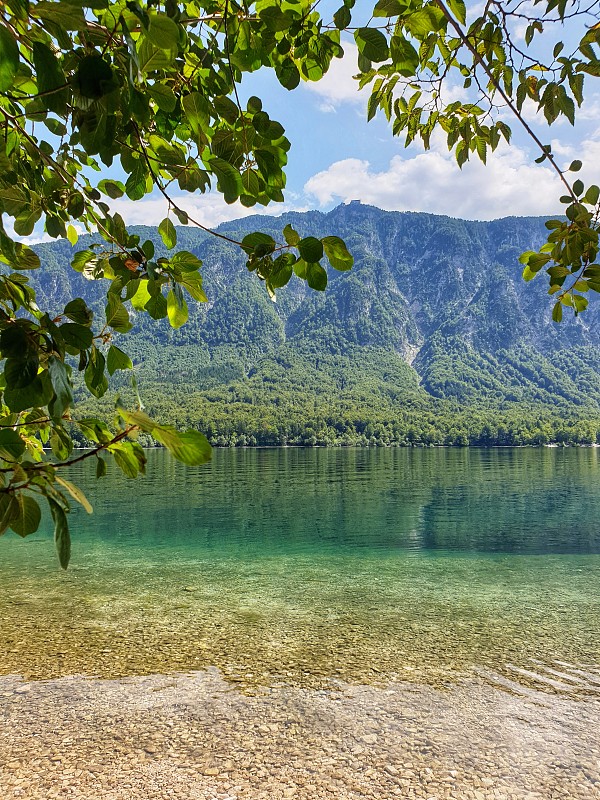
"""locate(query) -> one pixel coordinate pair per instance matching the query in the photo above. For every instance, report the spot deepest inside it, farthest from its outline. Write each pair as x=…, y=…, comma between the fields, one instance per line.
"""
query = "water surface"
x=311, y=624
x=296, y=566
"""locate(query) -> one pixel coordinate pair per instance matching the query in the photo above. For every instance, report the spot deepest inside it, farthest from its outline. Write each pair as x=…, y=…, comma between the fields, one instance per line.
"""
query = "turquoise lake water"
x=298, y=566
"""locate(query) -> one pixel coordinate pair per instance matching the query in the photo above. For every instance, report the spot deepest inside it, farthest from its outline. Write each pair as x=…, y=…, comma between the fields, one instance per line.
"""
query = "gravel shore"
x=198, y=737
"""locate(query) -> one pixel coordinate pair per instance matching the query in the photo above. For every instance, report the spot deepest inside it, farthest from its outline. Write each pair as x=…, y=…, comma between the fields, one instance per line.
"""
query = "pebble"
x=195, y=736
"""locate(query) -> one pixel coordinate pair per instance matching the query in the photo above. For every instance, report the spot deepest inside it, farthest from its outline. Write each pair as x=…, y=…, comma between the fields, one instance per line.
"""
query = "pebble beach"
x=197, y=736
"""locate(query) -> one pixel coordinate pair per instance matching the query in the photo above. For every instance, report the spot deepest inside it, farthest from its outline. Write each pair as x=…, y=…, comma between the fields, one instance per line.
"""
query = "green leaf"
x=177, y=310
x=168, y=233
x=94, y=77
x=75, y=492
x=8, y=510
x=163, y=96
x=25, y=258
x=311, y=249
x=291, y=236
x=580, y=303
x=388, y=8
x=13, y=342
x=61, y=443
x=282, y=270
x=168, y=154
x=82, y=259
x=63, y=395
x=163, y=32
x=343, y=17
x=157, y=306
x=9, y=59
x=426, y=21
x=316, y=277
x=50, y=78
x=78, y=311
x=185, y=261
x=135, y=185
x=191, y=447
x=12, y=446
x=288, y=74
x=197, y=112
x=337, y=253
x=129, y=457
x=20, y=372
x=62, y=538
x=26, y=515
x=72, y=235
x=95, y=430
x=251, y=182
x=114, y=189
x=152, y=58
x=300, y=268
x=76, y=335
x=26, y=220
x=404, y=56
x=592, y=195
x=116, y=314
x=458, y=8
x=64, y=15
x=229, y=180
x=100, y=467
x=141, y=296
x=38, y=393
x=95, y=379
x=372, y=44
x=192, y=282
x=117, y=359
x=258, y=244
x=557, y=312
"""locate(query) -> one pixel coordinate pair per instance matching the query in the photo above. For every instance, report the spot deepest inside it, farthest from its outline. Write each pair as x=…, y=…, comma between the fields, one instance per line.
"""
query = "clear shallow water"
x=298, y=566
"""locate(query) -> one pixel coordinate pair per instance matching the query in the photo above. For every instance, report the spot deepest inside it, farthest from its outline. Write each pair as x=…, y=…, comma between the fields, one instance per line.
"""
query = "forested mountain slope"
x=431, y=330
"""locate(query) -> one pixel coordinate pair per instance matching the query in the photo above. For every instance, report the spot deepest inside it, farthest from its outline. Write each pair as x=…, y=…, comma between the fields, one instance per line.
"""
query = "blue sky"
x=337, y=156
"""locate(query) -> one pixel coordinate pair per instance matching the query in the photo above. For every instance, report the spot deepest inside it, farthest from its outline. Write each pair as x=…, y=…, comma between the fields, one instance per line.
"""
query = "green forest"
x=387, y=356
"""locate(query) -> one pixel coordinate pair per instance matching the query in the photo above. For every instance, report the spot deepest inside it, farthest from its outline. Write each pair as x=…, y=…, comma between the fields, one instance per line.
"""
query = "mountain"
x=433, y=331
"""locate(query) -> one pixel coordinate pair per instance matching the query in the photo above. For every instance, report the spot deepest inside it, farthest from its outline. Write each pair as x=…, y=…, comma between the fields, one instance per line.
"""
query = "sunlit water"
x=304, y=564
x=461, y=571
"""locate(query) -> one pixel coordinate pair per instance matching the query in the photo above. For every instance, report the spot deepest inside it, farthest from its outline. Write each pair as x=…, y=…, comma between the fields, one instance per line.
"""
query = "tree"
x=151, y=91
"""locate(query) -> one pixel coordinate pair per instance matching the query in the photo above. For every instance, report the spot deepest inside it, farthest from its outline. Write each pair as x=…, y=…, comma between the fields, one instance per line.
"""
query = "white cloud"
x=210, y=210
x=338, y=85
x=509, y=185
x=561, y=149
x=590, y=109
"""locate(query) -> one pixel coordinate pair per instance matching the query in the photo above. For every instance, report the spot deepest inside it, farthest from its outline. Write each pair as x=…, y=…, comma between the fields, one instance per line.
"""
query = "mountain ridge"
x=434, y=315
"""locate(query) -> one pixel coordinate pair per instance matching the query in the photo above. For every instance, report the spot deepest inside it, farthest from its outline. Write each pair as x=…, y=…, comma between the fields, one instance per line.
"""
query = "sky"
x=337, y=156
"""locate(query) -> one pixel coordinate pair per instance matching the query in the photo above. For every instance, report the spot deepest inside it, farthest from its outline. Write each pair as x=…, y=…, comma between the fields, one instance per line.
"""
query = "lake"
x=415, y=623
